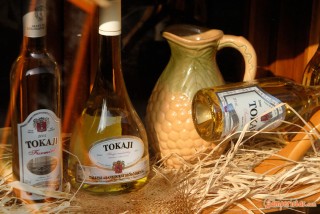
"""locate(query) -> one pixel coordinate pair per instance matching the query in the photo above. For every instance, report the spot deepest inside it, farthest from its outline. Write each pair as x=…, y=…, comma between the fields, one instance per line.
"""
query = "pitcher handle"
x=246, y=50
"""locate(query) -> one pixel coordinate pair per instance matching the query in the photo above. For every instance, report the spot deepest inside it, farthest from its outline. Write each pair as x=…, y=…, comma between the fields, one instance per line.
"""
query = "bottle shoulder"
x=41, y=55
x=30, y=61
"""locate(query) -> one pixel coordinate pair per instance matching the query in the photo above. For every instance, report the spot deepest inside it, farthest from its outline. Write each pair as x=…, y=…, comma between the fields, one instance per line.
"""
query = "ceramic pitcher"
x=192, y=66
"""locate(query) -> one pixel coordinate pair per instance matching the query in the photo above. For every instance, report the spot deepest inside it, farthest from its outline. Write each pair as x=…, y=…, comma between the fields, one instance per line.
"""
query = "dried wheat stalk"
x=206, y=182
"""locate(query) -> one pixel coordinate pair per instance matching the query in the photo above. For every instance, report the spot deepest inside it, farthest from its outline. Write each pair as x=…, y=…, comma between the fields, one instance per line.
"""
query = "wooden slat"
x=279, y=31
x=74, y=84
x=314, y=32
x=86, y=5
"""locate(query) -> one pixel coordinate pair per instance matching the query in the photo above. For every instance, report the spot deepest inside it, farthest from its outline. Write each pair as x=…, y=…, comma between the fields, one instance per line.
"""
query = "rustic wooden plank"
x=77, y=60
x=279, y=31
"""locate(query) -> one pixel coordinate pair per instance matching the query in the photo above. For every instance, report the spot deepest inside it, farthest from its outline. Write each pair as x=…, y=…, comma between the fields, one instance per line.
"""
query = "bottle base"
x=113, y=189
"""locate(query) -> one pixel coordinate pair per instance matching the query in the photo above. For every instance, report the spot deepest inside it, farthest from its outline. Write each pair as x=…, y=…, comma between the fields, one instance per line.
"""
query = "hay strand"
x=204, y=184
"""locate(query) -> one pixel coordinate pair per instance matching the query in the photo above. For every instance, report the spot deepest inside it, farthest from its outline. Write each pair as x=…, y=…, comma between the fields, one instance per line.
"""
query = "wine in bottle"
x=311, y=75
x=109, y=143
x=223, y=110
x=35, y=103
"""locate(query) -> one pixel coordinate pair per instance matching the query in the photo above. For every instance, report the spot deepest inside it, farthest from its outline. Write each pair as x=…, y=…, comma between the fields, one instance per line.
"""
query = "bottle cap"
x=110, y=18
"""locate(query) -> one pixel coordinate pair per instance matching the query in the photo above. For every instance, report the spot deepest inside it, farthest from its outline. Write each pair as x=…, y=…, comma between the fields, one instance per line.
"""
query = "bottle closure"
x=110, y=19
x=35, y=19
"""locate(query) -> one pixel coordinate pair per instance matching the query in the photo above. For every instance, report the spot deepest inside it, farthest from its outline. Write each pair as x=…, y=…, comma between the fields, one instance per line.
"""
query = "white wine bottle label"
x=116, y=160
x=248, y=105
x=40, y=152
x=34, y=22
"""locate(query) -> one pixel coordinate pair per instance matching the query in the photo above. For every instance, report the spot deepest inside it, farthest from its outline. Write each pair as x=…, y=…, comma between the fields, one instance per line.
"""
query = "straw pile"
x=206, y=186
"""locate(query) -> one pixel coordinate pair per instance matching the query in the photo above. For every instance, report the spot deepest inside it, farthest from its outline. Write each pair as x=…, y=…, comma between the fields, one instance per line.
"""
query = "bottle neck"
x=109, y=73
x=34, y=44
x=34, y=25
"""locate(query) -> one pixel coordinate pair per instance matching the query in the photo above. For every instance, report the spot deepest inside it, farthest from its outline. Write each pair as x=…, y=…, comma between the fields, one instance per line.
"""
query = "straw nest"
x=206, y=185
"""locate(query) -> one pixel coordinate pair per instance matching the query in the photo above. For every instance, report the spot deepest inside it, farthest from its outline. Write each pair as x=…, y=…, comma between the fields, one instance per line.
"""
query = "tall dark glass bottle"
x=109, y=139
x=35, y=104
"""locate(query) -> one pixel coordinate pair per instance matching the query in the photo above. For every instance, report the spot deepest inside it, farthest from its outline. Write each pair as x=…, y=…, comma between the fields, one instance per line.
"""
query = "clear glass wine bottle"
x=35, y=103
x=220, y=111
x=109, y=143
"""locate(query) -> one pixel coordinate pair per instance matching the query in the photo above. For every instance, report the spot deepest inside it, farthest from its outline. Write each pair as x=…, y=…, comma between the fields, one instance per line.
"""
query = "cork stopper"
x=110, y=19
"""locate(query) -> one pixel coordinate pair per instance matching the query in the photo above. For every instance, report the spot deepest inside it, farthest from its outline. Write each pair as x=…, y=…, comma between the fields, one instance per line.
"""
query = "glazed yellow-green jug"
x=192, y=66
